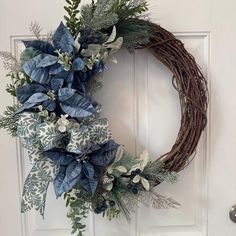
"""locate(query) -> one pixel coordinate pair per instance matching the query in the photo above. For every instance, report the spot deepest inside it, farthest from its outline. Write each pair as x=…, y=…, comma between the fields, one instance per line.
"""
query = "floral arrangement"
x=59, y=122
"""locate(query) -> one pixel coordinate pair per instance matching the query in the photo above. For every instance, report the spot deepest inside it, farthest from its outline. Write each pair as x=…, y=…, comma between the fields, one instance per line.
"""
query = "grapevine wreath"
x=59, y=122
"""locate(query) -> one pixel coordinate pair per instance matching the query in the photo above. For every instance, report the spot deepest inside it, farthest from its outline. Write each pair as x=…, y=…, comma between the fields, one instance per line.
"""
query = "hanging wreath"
x=59, y=123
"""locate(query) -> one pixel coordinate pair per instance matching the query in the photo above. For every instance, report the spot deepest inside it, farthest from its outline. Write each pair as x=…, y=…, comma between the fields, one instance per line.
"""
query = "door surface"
x=143, y=109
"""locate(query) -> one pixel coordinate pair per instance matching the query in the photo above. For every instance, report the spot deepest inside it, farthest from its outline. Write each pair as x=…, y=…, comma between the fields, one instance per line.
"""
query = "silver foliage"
x=35, y=29
x=9, y=61
x=157, y=201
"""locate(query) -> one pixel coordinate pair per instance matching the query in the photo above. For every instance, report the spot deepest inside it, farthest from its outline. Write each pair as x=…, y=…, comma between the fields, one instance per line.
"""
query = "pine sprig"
x=157, y=173
x=72, y=21
x=99, y=16
x=135, y=31
x=129, y=8
x=9, y=121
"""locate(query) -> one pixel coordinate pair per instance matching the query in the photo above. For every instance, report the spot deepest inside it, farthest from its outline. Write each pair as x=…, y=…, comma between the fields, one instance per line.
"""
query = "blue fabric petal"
x=65, y=94
x=48, y=60
x=89, y=184
x=106, y=155
x=67, y=76
x=41, y=46
x=40, y=75
x=58, y=181
x=56, y=84
x=78, y=64
x=73, y=170
x=88, y=170
x=62, y=39
x=78, y=106
x=23, y=93
x=60, y=157
x=68, y=178
x=49, y=105
x=55, y=69
x=32, y=101
x=69, y=79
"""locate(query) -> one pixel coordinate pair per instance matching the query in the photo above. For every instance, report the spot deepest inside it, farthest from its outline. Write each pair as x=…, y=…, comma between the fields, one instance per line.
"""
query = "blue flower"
x=51, y=95
x=50, y=60
x=82, y=169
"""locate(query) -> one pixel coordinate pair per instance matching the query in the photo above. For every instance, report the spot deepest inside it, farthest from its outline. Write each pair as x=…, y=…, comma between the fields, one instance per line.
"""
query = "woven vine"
x=191, y=86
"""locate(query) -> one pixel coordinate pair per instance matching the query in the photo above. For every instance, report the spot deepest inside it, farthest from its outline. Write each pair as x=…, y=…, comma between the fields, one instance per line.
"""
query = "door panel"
x=143, y=109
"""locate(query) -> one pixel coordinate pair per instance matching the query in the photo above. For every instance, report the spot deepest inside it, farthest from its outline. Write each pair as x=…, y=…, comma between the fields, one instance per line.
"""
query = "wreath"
x=59, y=122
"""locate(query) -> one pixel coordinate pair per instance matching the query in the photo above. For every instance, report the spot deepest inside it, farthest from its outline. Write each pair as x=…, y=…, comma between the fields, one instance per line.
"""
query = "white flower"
x=109, y=178
x=120, y=168
x=63, y=123
x=108, y=182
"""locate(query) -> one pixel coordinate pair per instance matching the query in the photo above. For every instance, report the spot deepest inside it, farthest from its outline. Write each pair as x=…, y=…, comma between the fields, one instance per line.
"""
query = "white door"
x=139, y=87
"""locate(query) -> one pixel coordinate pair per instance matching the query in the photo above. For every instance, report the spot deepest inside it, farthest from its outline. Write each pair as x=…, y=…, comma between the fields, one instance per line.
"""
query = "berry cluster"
x=103, y=206
x=133, y=187
x=135, y=172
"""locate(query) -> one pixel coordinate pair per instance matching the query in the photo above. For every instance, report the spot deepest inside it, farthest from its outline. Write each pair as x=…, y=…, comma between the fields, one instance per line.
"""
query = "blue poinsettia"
x=53, y=94
x=82, y=169
x=56, y=57
x=58, y=74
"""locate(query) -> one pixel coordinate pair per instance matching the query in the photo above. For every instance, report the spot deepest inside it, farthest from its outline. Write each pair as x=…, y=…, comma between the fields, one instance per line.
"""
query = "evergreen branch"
x=129, y=8
x=136, y=32
x=93, y=85
x=98, y=16
x=157, y=173
x=9, y=121
x=72, y=21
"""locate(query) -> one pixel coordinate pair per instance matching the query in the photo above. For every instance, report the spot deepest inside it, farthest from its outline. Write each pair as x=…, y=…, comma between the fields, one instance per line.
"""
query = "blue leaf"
x=67, y=178
x=41, y=46
x=56, y=83
x=88, y=170
x=23, y=93
x=58, y=181
x=49, y=105
x=60, y=157
x=78, y=84
x=62, y=39
x=40, y=75
x=65, y=94
x=48, y=60
x=32, y=101
x=72, y=176
x=78, y=64
x=73, y=171
x=78, y=106
x=89, y=184
x=106, y=155
x=67, y=76
x=55, y=69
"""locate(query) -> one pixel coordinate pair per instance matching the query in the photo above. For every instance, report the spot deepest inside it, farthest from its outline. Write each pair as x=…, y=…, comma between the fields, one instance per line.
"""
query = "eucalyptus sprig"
x=79, y=208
